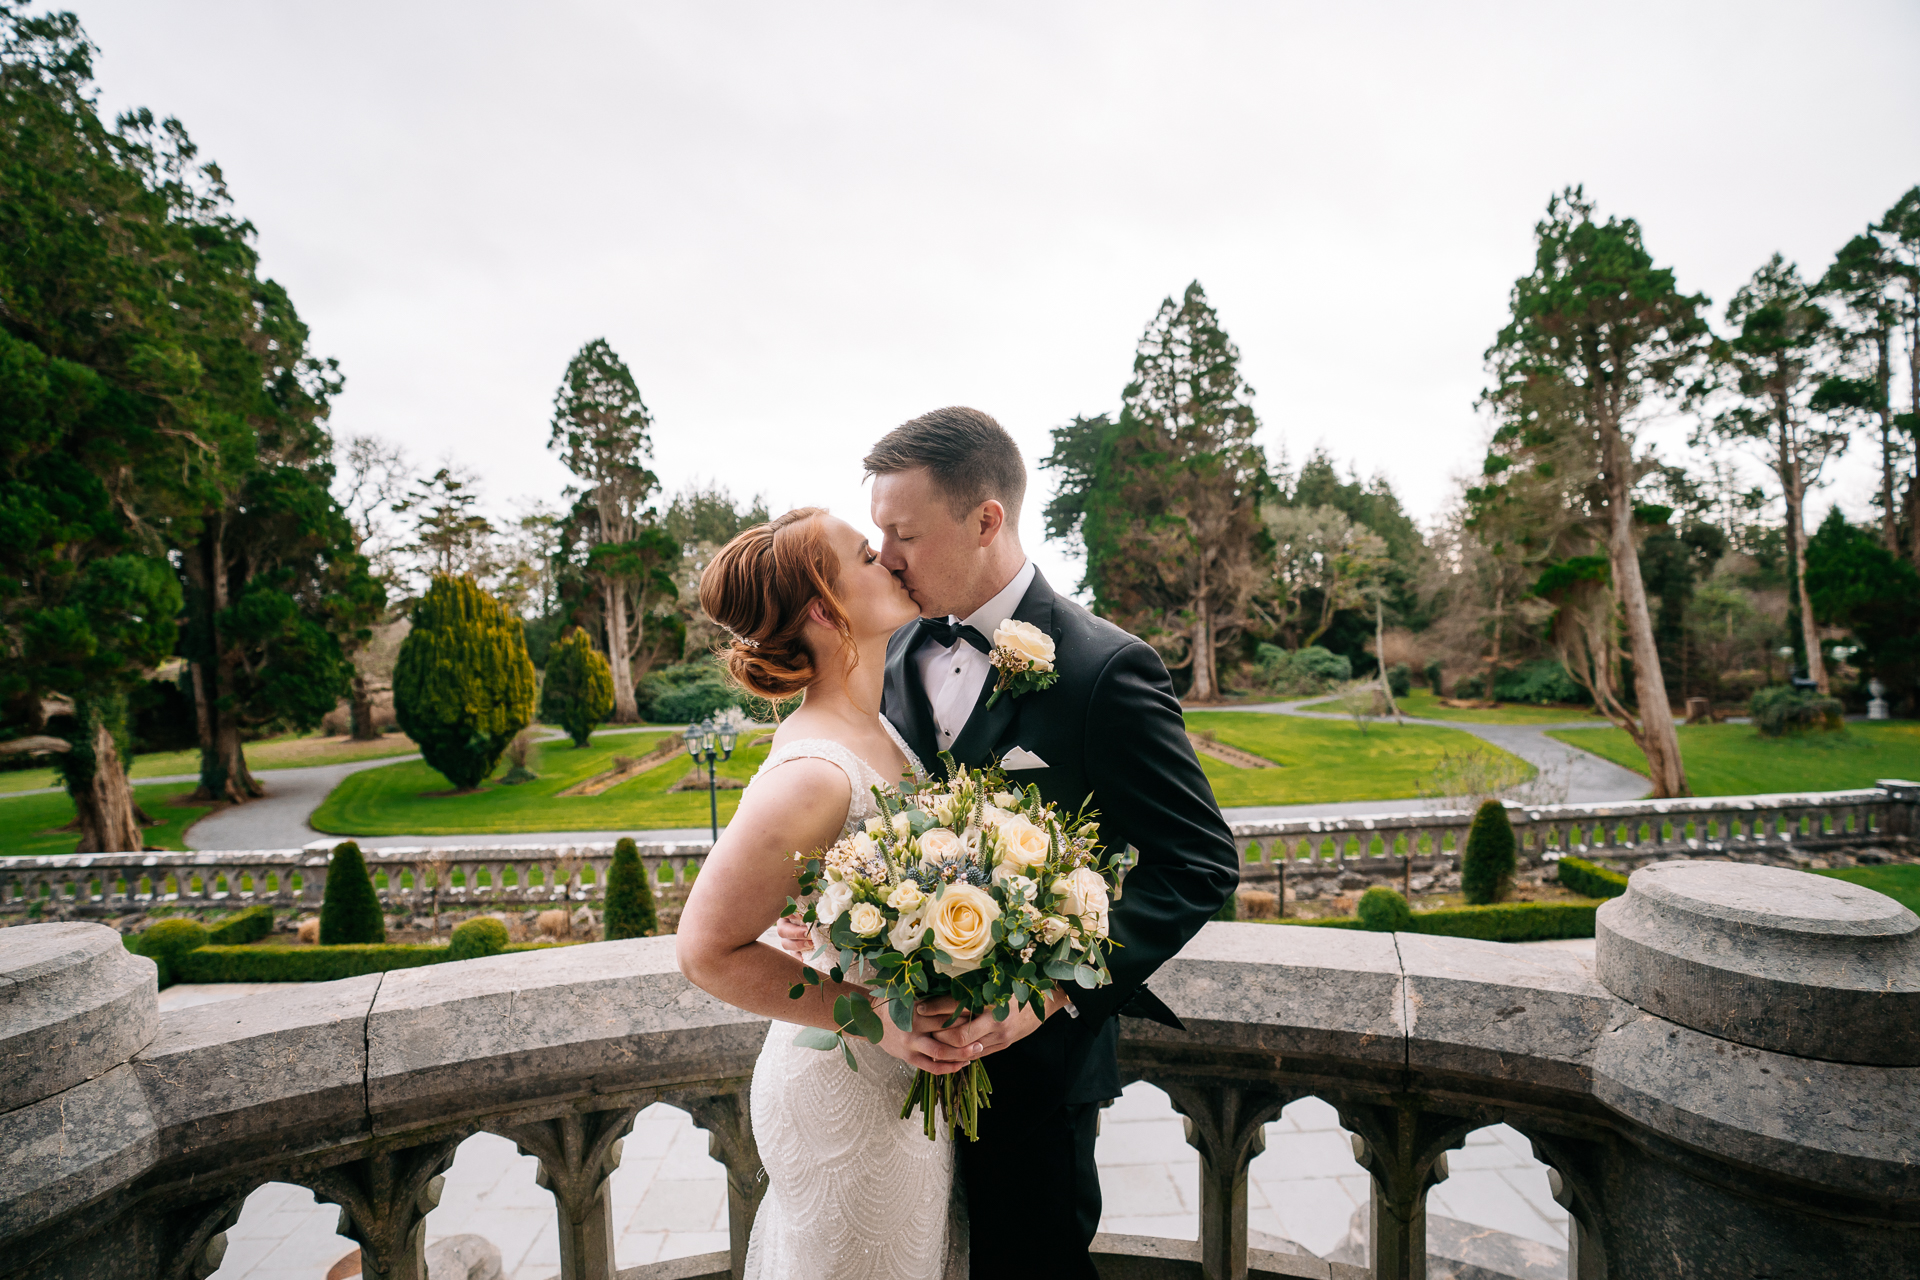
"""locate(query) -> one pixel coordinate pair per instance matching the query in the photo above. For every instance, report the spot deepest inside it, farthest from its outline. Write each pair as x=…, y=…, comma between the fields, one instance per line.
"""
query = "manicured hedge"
x=250, y=925
x=1591, y=879
x=1498, y=922
x=309, y=964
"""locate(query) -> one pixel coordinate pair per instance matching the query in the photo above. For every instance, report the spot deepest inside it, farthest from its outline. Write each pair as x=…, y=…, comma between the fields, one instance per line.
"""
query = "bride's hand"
x=921, y=1047
x=795, y=936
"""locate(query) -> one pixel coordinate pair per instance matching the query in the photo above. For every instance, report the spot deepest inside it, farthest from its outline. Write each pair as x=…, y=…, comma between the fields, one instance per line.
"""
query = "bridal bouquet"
x=964, y=889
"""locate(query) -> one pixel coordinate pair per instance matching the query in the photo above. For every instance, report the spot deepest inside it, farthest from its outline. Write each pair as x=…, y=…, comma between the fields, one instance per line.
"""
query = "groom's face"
x=935, y=555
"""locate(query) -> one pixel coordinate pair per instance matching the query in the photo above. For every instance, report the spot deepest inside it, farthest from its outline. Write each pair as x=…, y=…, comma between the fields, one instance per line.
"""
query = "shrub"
x=1400, y=679
x=1539, y=683
x=1301, y=671
x=1500, y=922
x=1591, y=879
x=522, y=753
x=463, y=684
x=630, y=911
x=250, y=925
x=167, y=943
x=1468, y=687
x=1383, y=910
x=304, y=964
x=483, y=936
x=350, y=911
x=1784, y=711
x=1487, y=865
x=692, y=703
x=1433, y=678
x=577, y=693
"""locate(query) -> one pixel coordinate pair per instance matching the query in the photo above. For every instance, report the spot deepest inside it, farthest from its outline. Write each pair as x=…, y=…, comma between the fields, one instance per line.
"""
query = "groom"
x=947, y=489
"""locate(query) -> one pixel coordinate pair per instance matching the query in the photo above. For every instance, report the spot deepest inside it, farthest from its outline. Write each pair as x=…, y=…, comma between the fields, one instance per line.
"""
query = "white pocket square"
x=1021, y=758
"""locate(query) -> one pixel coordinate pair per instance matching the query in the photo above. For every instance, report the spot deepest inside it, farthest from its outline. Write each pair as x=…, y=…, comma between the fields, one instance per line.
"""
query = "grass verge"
x=1900, y=882
x=1422, y=703
x=1734, y=760
x=1324, y=760
x=293, y=751
x=30, y=825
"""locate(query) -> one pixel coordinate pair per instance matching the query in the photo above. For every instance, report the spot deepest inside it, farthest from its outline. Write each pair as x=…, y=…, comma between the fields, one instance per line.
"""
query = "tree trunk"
x=1380, y=659
x=625, y=709
x=96, y=778
x=1883, y=385
x=1203, y=682
x=362, y=704
x=1658, y=738
x=1797, y=547
x=224, y=776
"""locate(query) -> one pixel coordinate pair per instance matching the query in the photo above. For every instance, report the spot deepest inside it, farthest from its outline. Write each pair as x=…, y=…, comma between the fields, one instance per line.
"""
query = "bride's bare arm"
x=741, y=889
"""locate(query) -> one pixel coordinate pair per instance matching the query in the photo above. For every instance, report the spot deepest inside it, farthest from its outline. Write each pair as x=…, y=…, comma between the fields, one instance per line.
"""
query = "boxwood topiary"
x=350, y=912
x=1783, y=711
x=1383, y=910
x=1487, y=866
x=168, y=941
x=484, y=936
x=237, y=930
x=463, y=684
x=1590, y=878
x=630, y=911
x=577, y=692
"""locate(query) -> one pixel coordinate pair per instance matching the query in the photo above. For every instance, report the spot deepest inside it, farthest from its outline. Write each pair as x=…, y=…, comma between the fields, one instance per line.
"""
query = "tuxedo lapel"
x=981, y=735
x=905, y=701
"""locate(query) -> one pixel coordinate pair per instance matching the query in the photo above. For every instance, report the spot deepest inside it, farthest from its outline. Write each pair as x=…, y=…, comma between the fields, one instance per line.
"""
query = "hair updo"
x=759, y=587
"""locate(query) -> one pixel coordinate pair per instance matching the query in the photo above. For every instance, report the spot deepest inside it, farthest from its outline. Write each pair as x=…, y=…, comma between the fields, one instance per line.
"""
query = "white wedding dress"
x=854, y=1192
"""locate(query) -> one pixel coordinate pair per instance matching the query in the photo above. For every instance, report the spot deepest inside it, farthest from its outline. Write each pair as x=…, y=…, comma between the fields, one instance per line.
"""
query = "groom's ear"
x=988, y=519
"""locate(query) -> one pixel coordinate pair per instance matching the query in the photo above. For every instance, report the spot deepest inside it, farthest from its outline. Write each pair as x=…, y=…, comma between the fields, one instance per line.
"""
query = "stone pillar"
x=1226, y=1124
x=1902, y=799
x=1404, y=1147
x=384, y=1200
x=578, y=1152
x=728, y=1120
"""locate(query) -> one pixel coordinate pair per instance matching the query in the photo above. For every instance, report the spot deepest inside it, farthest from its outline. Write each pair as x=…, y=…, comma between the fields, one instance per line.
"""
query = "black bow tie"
x=945, y=633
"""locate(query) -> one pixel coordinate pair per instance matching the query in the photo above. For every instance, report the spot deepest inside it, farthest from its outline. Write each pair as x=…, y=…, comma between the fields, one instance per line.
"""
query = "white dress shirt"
x=953, y=677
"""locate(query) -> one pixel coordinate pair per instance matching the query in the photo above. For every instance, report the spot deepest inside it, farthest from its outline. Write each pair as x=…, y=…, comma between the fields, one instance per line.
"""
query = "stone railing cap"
x=1773, y=898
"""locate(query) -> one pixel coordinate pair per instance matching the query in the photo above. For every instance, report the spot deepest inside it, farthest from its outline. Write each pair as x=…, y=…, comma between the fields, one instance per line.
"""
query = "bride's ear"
x=817, y=615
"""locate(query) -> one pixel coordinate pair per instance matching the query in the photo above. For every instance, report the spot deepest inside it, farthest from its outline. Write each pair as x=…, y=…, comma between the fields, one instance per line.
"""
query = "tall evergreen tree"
x=1864, y=280
x=1771, y=361
x=1167, y=500
x=463, y=685
x=602, y=431
x=1597, y=334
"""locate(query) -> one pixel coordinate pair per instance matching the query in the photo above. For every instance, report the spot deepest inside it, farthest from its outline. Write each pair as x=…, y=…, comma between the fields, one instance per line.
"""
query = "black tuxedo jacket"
x=1110, y=727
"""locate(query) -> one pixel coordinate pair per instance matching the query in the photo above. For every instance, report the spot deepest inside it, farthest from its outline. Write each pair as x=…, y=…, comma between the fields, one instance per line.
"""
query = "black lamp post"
x=707, y=742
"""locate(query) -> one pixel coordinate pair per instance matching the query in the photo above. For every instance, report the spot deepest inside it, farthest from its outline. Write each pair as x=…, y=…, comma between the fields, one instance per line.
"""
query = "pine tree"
x=577, y=691
x=463, y=685
x=1486, y=867
x=350, y=912
x=630, y=911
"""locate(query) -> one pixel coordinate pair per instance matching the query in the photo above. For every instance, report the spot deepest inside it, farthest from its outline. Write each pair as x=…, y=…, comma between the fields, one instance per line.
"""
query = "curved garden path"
x=278, y=820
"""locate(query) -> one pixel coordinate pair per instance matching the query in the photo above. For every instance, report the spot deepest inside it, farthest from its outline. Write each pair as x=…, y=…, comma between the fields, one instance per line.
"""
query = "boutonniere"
x=1023, y=655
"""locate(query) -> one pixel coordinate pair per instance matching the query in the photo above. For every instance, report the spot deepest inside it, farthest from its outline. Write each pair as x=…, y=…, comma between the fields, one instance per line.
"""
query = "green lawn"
x=1900, y=882
x=30, y=825
x=1422, y=703
x=1325, y=759
x=1734, y=760
x=293, y=751
x=410, y=799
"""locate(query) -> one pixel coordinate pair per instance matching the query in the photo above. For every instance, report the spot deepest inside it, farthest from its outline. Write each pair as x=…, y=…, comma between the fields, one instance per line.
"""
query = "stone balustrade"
x=1732, y=1089
x=1633, y=833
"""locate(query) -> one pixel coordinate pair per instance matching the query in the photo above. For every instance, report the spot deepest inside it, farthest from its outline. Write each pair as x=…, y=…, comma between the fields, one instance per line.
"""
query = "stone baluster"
x=578, y=1152
x=384, y=1200
x=1226, y=1124
x=1404, y=1147
x=728, y=1120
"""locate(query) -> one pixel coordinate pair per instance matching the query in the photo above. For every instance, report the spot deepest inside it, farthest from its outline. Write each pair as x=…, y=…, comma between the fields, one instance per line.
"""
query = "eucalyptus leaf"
x=1085, y=976
x=816, y=1038
x=866, y=1023
x=901, y=1011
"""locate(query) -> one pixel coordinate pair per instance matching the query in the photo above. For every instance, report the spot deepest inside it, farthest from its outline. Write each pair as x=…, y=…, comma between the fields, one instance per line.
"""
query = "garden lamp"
x=711, y=744
x=694, y=739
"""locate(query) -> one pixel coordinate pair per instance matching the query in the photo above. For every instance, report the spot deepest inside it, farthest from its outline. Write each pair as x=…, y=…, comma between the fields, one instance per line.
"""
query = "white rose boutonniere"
x=1023, y=655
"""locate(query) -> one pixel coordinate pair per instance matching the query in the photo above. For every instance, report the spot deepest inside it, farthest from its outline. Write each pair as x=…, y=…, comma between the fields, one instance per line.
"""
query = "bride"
x=854, y=1191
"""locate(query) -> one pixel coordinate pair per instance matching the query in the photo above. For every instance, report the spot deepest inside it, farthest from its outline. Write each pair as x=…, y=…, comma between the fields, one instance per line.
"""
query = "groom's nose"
x=890, y=555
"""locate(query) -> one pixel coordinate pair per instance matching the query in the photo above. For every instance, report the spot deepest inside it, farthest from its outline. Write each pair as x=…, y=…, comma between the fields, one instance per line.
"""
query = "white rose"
x=865, y=919
x=1022, y=844
x=902, y=825
x=1052, y=929
x=1017, y=885
x=905, y=896
x=1027, y=640
x=905, y=934
x=862, y=846
x=940, y=844
x=876, y=824
x=1085, y=892
x=836, y=898
x=962, y=922
x=1007, y=799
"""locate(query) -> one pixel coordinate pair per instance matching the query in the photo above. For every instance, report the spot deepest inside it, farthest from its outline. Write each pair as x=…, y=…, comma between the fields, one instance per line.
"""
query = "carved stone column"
x=1404, y=1147
x=1226, y=1123
x=578, y=1152
x=728, y=1120
x=384, y=1200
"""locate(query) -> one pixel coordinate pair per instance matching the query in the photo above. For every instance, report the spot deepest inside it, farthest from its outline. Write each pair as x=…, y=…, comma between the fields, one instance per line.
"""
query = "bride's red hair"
x=760, y=586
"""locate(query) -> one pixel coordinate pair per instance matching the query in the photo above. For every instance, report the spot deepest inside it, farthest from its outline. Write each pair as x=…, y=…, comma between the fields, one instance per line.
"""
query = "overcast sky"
x=802, y=224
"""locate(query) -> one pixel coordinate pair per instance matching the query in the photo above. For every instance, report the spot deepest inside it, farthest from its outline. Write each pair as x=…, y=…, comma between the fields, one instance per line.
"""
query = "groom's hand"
x=923, y=1047
x=983, y=1035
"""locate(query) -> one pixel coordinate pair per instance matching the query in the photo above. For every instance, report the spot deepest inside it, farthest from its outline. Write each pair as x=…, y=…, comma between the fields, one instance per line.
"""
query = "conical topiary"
x=481, y=936
x=350, y=912
x=630, y=912
x=577, y=693
x=463, y=684
x=1487, y=867
x=1383, y=910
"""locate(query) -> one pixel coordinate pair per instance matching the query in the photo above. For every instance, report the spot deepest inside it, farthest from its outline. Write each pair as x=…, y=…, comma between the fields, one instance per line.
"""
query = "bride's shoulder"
x=799, y=779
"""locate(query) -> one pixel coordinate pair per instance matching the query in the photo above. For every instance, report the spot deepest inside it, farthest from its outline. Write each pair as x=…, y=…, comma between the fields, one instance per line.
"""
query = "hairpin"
x=748, y=641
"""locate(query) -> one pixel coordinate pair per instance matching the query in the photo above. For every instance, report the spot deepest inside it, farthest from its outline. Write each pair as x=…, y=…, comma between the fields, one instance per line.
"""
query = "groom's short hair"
x=969, y=456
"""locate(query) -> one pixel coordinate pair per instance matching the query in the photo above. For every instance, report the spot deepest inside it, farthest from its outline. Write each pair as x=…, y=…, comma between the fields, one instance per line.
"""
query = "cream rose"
x=1085, y=893
x=1027, y=640
x=876, y=824
x=834, y=899
x=1022, y=844
x=940, y=844
x=1007, y=799
x=862, y=846
x=906, y=896
x=906, y=931
x=902, y=825
x=962, y=922
x=865, y=919
x=1052, y=929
